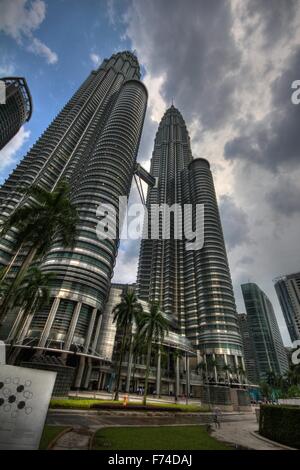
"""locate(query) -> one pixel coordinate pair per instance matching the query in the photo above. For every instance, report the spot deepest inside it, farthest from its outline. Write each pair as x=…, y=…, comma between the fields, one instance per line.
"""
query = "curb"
x=276, y=444
x=55, y=439
x=136, y=412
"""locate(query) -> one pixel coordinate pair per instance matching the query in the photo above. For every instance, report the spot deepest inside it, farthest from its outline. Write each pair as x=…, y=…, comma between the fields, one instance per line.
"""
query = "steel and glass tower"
x=193, y=286
x=92, y=143
x=16, y=110
x=269, y=352
x=288, y=293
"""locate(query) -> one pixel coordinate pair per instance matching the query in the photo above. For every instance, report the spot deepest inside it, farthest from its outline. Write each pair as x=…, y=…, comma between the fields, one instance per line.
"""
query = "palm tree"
x=241, y=371
x=47, y=216
x=138, y=347
x=32, y=293
x=212, y=364
x=227, y=369
x=125, y=313
x=153, y=325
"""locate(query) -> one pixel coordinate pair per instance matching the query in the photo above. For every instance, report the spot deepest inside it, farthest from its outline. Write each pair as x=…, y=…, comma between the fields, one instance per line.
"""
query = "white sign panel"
x=2, y=353
x=24, y=399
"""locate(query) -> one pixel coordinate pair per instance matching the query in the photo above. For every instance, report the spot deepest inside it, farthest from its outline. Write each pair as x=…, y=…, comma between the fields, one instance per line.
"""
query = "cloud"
x=96, y=59
x=9, y=152
x=19, y=19
x=185, y=56
x=39, y=48
x=273, y=141
x=234, y=221
x=111, y=12
x=284, y=199
x=6, y=69
x=229, y=67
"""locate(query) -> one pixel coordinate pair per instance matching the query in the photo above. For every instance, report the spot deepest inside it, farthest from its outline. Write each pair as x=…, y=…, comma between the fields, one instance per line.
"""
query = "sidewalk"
x=240, y=433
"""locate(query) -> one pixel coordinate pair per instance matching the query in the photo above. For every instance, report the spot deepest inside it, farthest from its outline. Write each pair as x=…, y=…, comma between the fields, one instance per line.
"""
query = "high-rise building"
x=16, y=110
x=93, y=144
x=193, y=286
x=288, y=293
x=248, y=349
x=270, y=354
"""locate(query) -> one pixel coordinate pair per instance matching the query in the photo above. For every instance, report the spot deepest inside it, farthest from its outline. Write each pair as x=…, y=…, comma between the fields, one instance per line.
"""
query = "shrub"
x=281, y=423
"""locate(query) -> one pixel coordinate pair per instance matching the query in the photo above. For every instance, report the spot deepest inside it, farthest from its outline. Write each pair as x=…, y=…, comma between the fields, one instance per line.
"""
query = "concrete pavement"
x=236, y=428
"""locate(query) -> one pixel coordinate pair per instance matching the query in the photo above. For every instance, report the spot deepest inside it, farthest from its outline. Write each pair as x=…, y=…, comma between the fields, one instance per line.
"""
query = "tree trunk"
x=116, y=397
x=147, y=369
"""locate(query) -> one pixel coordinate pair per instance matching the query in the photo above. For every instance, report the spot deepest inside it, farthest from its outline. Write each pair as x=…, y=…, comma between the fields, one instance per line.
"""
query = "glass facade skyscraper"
x=16, y=110
x=269, y=352
x=288, y=293
x=93, y=144
x=193, y=286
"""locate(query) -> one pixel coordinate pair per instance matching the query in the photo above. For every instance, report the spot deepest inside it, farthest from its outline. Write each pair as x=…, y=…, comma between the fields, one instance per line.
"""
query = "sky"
x=228, y=65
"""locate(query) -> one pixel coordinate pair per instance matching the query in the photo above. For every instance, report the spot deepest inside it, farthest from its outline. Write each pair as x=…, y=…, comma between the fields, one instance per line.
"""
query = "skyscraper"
x=194, y=286
x=16, y=110
x=288, y=293
x=92, y=143
x=248, y=349
x=270, y=354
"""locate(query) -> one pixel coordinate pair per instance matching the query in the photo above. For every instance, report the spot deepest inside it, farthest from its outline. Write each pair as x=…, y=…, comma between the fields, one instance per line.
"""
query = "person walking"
x=217, y=417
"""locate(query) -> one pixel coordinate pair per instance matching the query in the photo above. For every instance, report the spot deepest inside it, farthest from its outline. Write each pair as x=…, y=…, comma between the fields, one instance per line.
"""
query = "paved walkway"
x=239, y=433
x=236, y=429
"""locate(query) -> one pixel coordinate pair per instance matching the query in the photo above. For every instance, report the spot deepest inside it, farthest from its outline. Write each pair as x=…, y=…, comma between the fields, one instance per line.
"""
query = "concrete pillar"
x=158, y=373
x=49, y=323
x=90, y=330
x=88, y=373
x=236, y=363
x=99, y=380
x=187, y=376
x=227, y=372
x=96, y=337
x=177, y=376
x=80, y=371
x=72, y=327
x=215, y=369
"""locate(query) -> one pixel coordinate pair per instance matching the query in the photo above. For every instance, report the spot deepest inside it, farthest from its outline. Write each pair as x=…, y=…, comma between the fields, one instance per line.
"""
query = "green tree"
x=154, y=326
x=228, y=370
x=43, y=217
x=266, y=390
x=125, y=313
x=32, y=294
x=138, y=348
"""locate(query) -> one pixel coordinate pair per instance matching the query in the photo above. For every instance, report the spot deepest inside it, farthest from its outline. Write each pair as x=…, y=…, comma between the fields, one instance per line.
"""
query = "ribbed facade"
x=192, y=285
x=248, y=349
x=93, y=143
x=288, y=293
x=269, y=352
x=16, y=110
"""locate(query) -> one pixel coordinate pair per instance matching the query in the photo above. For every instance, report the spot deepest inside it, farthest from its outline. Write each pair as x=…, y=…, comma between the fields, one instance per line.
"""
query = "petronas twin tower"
x=93, y=143
x=194, y=286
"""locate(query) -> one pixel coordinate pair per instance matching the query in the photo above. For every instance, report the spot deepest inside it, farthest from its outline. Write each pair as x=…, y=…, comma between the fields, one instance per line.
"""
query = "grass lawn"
x=49, y=433
x=155, y=438
x=85, y=404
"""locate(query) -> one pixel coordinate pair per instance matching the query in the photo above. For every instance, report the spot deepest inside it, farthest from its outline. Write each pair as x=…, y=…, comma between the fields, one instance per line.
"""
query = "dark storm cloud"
x=285, y=198
x=190, y=42
x=275, y=18
x=275, y=141
x=234, y=222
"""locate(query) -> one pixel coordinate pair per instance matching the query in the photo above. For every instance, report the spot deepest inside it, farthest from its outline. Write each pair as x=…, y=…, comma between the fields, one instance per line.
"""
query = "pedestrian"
x=216, y=417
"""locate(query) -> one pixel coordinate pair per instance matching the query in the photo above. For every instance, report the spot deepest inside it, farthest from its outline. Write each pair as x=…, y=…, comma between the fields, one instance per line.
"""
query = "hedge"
x=280, y=423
